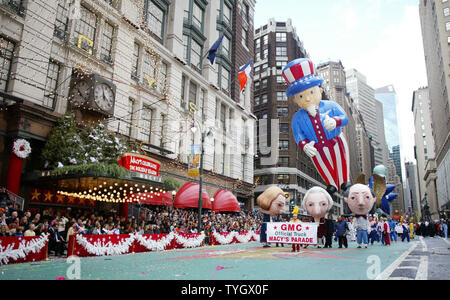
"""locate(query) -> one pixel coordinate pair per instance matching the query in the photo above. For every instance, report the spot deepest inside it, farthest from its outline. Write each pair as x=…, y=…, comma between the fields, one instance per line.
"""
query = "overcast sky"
x=382, y=39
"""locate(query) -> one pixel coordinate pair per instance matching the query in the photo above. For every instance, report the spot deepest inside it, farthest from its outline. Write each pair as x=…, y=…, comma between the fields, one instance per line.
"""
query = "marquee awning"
x=225, y=201
x=188, y=196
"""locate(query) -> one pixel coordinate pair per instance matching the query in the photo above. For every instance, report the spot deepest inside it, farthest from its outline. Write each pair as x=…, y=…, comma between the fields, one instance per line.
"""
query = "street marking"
x=412, y=259
x=399, y=278
x=445, y=240
x=424, y=245
x=422, y=271
x=389, y=270
x=407, y=267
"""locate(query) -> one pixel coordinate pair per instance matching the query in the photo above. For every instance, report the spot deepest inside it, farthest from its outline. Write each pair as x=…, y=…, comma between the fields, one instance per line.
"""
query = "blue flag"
x=212, y=52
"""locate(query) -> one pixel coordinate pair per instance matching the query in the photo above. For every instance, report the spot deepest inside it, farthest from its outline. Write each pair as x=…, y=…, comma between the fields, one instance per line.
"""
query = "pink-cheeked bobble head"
x=317, y=202
x=360, y=199
x=272, y=201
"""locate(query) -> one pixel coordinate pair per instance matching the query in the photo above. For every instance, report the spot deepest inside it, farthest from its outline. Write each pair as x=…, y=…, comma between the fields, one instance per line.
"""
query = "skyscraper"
x=388, y=97
x=424, y=150
x=371, y=111
x=435, y=22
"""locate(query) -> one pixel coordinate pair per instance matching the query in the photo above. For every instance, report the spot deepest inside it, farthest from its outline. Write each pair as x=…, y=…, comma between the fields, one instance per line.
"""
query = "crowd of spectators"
x=60, y=224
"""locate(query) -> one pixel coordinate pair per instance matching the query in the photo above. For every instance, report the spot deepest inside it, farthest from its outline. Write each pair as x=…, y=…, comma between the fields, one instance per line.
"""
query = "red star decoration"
x=307, y=228
x=275, y=227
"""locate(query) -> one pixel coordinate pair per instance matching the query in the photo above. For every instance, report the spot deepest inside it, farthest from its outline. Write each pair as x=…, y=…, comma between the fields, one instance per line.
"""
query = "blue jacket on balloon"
x=304, y=130
x=387, y=197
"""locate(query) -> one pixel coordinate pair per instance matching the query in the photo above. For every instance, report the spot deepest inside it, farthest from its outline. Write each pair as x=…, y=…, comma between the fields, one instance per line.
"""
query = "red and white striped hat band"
x=299, y=74
x=298, y=69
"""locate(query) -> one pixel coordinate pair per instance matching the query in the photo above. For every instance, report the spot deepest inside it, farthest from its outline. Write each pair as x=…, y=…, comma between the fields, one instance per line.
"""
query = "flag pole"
x=221, y=33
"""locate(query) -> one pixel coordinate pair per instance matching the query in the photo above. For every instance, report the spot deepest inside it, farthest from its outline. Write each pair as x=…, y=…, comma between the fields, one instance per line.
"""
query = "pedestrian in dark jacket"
x=329, y=223
x=341, y=232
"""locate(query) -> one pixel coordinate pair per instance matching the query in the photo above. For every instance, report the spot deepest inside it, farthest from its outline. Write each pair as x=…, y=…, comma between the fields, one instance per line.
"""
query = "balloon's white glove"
x=310, y=150
x=329, y=123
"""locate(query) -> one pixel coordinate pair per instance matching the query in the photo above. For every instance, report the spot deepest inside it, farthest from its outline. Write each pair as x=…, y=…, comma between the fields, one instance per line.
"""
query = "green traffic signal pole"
x=201, y=183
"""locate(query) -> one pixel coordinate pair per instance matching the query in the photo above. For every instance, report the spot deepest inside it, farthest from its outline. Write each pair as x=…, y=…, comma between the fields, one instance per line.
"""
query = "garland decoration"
x=228, y=239
x=103, y=248
x=8, y=253
x=100, y=248
x=22, y=148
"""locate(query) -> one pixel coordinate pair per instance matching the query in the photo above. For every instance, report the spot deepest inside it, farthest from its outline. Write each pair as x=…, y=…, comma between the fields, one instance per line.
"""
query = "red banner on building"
x=140, y=164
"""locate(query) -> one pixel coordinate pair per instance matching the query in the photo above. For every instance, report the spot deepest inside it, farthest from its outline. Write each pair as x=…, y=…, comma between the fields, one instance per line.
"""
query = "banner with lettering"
x=292, y=233
x=194, y=161
x=140, y=164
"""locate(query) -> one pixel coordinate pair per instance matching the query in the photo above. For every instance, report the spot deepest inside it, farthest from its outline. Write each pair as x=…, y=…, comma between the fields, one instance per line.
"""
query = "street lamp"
x=204, y=133
x=173, y=197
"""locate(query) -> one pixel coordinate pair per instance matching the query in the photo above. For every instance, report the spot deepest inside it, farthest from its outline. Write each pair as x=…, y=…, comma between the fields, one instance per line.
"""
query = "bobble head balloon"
x=317, y=202
x=317, y=125
x=272, y=203
x=360, y=199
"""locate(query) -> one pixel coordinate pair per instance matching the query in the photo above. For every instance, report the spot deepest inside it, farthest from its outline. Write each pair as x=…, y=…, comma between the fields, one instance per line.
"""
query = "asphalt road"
x=427, y=259
x=421, y=259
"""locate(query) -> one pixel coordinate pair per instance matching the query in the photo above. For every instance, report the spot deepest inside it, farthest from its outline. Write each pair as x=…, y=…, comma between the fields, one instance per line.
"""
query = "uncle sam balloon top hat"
x=299, y=74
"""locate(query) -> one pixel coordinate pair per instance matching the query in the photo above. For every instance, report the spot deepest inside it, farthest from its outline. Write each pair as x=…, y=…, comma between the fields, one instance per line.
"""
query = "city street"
x=423, y=258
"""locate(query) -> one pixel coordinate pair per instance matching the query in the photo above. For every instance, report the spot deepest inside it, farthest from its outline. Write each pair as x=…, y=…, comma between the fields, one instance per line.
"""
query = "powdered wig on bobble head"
x=317, y=189
x=265, y=199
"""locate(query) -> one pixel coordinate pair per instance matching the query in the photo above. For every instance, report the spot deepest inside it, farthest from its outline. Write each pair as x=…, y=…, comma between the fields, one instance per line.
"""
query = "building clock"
x=104, y=97
x=81, y=91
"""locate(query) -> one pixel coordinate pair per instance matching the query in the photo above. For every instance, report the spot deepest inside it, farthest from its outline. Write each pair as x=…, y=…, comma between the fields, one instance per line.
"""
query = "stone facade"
x=152, y=52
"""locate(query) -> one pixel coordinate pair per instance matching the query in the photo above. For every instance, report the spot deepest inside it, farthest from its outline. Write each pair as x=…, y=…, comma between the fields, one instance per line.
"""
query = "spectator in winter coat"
x=341, y=232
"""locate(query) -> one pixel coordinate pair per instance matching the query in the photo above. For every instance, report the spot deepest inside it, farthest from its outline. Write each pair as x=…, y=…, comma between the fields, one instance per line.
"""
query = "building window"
x=281, y=64
x=284, y=128
x=283, y=162
x=84, y=32
x=224, y=149
x=193, y=93
x=226, y=13
x=265, y=53
x=146, y=124
x=6, y=57
x=246, y=12
x=225, y=79
x=130, y=116
x=281, y=51
x=283, y=145
x=264, y=83
x=197, y=16
x=226, y=46
x=283, y=179
x=223, y=116
x=107, y=41
x=15, y=5
x=281, y=96
x=264, y=98
x=257, y=100
x=257, y=45
x=62, y=18
x=136, y=51
x=447, y=26
x=51, y=85
x=183, y=92
x=281, y=37
x=156, y=18
x=446, y=12
x=243, y=159
x=244, y=36
x=283, y=112
x=266, y=40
